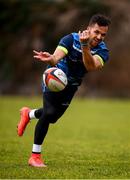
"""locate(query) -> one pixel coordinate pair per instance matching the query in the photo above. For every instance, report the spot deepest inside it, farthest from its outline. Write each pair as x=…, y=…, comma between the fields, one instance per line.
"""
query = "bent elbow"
x=93, y=68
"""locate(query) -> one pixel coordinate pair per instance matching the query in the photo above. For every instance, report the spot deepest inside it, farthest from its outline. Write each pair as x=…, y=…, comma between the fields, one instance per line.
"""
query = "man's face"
x=97, y=34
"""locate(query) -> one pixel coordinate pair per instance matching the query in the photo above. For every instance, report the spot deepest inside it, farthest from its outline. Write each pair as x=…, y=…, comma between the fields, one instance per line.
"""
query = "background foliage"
x=28, y=25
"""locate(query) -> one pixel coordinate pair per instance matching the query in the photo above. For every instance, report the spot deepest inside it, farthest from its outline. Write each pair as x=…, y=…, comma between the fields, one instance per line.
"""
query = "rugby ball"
x=55, y=79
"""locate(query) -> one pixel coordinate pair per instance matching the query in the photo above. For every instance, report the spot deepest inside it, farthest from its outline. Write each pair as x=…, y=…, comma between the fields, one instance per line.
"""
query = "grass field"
x=91, y=141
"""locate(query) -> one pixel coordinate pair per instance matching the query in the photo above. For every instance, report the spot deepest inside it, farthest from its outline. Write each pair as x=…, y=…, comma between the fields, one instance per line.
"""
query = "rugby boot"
x=24, y=120
x=36, y=161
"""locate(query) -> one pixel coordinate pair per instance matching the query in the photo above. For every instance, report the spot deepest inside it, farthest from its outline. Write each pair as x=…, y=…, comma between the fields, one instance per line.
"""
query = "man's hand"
x=44, y=56
x=84, y=37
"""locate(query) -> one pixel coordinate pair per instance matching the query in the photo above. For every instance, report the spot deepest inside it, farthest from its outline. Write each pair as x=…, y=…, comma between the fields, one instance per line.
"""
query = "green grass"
x=91, y=141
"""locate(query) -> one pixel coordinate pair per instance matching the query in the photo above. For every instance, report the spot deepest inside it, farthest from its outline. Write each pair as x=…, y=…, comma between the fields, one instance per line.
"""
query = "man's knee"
x=52, y=115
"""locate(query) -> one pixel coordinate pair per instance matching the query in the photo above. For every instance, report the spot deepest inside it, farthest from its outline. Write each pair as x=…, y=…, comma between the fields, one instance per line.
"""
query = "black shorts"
x=62, y=98
x=56, y=103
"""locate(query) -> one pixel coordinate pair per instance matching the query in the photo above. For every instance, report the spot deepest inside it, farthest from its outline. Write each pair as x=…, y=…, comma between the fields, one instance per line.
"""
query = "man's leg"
x=55, y=104
x=51, y=114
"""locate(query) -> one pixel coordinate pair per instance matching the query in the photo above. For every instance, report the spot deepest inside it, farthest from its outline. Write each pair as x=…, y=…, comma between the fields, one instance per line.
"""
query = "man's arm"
x=91, y=62
x=61, y=51
x=51, y=59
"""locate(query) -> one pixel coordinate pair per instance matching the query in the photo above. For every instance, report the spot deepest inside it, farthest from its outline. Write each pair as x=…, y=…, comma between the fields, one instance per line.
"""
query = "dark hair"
x=100, y=19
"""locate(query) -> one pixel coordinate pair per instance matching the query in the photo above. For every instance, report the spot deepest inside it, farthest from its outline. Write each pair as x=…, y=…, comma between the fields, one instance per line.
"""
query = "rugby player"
x=76, y=54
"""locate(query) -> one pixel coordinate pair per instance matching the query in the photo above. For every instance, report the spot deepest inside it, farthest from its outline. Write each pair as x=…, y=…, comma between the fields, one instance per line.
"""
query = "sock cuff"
x=32, y=114
x=36, y=148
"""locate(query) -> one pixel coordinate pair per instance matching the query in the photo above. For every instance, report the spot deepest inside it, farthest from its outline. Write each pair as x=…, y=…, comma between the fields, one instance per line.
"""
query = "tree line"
x=28, y=25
